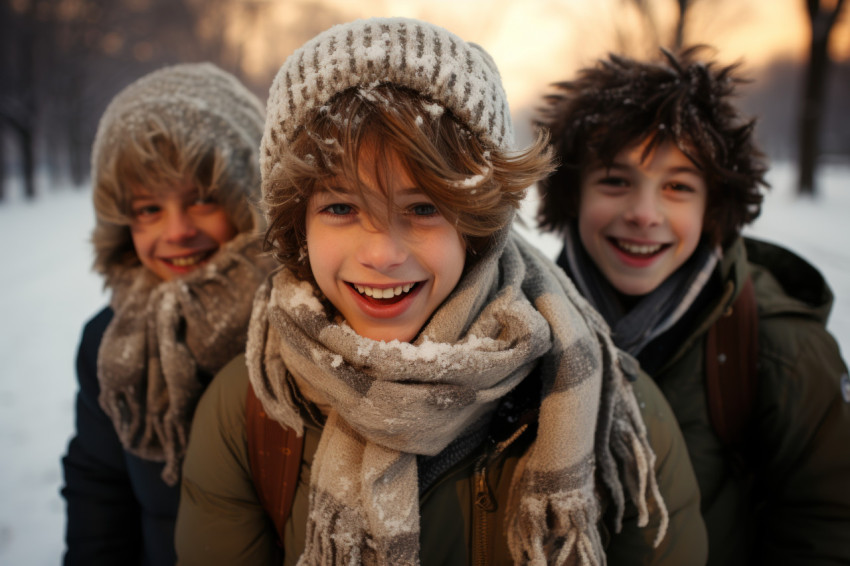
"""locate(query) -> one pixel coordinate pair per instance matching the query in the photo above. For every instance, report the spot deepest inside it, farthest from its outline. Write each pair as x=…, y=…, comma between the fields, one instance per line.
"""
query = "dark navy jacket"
x=119, y=510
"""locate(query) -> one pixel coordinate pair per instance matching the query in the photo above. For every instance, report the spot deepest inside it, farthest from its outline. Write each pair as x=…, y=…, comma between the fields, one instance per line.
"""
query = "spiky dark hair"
x=619, y=102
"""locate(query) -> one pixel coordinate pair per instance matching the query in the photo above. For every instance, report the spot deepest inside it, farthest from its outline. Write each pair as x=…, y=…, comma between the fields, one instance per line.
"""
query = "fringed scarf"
x=167, y=339
x=388, y=402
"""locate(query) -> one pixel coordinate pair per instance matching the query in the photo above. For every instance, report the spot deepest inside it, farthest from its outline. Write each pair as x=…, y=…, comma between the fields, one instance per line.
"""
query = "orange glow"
x=536, y=43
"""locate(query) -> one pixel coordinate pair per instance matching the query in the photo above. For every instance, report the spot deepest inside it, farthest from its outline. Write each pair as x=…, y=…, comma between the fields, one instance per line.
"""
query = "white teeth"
x=187, y=260
x=387, y=293
x=638, y=249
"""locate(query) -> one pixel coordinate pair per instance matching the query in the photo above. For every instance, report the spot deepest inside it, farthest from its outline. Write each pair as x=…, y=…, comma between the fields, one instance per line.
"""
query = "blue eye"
x=339, y=209
x=424, y=209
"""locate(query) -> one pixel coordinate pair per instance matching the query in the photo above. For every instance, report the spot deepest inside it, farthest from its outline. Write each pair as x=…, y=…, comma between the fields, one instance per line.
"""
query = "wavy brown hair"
x=475, y=187
x=680, y=99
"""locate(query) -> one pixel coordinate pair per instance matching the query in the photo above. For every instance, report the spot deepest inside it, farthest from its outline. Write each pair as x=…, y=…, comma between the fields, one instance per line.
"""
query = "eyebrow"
x=346, y=191
x=679, y=169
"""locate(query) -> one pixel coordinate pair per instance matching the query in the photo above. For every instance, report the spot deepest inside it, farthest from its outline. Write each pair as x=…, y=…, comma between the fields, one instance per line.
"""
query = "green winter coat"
x=222, y=522
x=785, y=498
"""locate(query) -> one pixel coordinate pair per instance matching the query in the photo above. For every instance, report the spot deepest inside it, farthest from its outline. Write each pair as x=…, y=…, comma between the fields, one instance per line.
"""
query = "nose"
x=644, y=208
x=179, y=225
x=380, y=248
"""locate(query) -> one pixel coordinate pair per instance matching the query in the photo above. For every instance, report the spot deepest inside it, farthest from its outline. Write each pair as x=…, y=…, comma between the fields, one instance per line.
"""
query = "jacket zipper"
x=483, y=506
x=484, y=503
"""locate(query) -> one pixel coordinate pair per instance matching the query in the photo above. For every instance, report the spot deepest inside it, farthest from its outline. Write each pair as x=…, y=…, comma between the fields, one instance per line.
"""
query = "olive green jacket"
x=785, y=497
x=221, y=521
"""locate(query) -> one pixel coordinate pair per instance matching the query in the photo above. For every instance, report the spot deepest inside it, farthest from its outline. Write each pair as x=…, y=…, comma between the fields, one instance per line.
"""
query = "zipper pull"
x=483, y=497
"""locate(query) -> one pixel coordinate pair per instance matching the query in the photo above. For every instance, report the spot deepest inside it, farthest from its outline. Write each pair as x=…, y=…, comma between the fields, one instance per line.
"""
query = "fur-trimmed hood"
x=200, y=110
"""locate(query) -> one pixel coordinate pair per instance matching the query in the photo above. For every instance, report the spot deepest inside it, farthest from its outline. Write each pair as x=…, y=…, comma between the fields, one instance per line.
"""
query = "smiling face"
x=177, y=231
x=641, y=219
x=386, y=277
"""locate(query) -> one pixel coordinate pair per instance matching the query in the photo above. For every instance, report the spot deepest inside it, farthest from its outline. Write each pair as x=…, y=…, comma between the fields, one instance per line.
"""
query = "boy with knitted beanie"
x=658, y=174
x=453, y=399
x=176, y=180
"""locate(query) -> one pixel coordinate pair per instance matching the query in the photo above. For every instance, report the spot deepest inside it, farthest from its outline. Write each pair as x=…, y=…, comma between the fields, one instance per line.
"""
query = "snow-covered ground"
x=48, y=291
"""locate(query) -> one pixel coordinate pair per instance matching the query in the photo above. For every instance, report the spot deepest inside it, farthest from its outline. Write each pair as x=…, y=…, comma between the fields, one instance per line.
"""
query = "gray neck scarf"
x=654, y=313
x=389, y=402
x=164, y=337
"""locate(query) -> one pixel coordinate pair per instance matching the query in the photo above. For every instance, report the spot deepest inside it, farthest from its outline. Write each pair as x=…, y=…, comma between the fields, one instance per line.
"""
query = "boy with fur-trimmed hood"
x=176, y=179
x=658, y=174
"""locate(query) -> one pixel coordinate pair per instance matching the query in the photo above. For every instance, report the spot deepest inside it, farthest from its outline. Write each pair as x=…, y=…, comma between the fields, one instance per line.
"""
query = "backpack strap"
x=731, y=367
x=275, y=455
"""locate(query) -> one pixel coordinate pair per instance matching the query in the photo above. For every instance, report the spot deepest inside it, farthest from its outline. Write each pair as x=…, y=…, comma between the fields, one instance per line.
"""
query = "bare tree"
x=654, y=35
x=17, y=94
x=822, y=17
x=679, y=34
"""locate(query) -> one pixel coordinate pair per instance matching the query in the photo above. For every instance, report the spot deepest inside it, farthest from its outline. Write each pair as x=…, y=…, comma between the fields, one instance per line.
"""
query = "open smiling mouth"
x=385, y=296
x=189, y=260
x=638, y=250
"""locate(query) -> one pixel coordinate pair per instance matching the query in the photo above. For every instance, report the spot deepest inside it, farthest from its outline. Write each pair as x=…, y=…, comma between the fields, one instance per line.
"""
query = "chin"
x=636, y=289
x=387, y=334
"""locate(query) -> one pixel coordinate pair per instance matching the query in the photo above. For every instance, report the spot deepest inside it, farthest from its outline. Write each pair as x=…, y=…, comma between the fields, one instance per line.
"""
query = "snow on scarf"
x=164, y=337
x=390, y=401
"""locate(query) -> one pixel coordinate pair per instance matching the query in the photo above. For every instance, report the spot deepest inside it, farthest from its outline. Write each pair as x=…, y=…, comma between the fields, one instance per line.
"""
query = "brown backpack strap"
x=731, y=367
x=275, y=456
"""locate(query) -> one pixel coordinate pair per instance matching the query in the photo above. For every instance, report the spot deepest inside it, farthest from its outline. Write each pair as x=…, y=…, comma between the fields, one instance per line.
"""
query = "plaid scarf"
x=166, y=340
x=388, y=402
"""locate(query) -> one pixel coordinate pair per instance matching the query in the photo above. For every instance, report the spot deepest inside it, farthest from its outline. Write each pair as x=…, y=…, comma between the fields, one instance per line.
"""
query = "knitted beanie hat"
x=411, y=53
x=198, y=107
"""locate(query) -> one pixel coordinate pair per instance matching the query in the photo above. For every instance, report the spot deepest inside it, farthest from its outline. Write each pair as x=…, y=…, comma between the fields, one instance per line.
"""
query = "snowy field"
x=48, y=292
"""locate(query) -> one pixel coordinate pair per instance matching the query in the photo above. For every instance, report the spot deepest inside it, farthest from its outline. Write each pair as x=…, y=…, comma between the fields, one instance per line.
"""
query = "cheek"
x=446, y=259
x=688, y=227
x=455, y=256
x=220, y=228
x=142, y=239
x=696, y=221
x=323, y=252
x=593, y=217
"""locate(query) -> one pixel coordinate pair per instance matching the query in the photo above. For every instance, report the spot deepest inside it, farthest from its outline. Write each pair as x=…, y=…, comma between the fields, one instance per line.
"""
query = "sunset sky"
x=537, y=42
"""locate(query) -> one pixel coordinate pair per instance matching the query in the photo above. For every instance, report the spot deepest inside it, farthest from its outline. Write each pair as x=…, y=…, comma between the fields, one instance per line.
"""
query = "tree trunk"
x=811, y=114
x=812, y=108
x=679, y=39
x=26, y=139
x=2, y=163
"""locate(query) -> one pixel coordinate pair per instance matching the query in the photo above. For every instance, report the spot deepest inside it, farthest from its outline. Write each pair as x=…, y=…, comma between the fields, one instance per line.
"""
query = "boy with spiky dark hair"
x=659, y=173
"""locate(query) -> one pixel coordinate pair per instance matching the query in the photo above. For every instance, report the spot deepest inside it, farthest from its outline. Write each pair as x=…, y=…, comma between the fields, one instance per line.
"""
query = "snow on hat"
x=198, y=101
x=410, y=53
x=197, y=106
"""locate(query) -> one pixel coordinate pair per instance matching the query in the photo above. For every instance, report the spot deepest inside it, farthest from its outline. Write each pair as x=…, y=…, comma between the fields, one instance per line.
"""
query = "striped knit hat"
x=410, y=53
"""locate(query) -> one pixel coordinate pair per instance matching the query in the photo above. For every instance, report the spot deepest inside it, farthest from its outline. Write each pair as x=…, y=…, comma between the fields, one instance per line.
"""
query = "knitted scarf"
x=654, y=313
x=388, y=402
x=167, y=339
